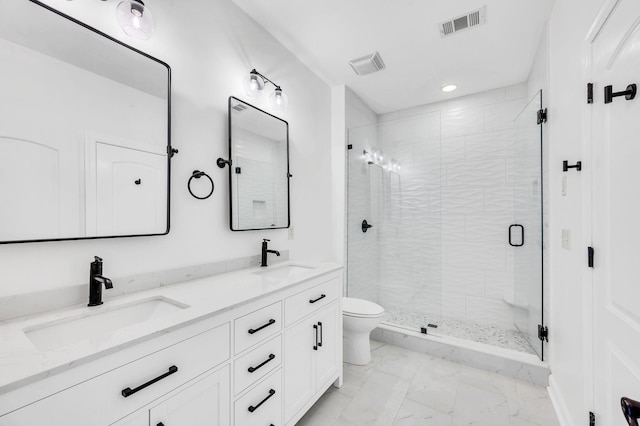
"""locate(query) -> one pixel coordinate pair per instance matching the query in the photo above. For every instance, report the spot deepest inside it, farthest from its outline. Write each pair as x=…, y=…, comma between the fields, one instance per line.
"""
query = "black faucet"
x=265, y=251
x=96, y=280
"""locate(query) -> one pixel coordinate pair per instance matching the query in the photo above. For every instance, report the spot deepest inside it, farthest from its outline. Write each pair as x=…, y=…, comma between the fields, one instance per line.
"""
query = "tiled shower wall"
x=440, y=227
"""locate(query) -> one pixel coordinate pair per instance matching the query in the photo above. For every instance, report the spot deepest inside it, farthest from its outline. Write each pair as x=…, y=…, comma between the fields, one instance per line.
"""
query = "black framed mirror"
x=85, y=131
x=259, y=168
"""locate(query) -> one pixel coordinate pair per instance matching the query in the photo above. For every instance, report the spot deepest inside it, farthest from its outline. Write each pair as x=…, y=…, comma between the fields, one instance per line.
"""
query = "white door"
x=615, y=48
x=131, y=188
x=204, y=403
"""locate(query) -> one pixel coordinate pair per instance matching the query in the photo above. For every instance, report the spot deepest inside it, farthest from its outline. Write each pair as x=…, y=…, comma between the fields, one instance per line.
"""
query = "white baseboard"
x=558, y=403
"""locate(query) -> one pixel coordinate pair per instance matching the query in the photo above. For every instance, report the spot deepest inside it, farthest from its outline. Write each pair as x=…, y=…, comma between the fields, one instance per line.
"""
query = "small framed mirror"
x=84, y=132
x=259, y=168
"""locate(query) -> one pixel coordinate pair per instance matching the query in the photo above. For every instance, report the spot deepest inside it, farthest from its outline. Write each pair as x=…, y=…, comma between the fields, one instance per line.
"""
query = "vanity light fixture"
x=449, y=87
x=254, y=86
x=135, y=19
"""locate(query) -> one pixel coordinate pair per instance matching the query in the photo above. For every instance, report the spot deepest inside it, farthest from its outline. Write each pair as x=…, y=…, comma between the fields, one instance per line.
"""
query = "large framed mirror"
x=84, y=134
x=259, y=170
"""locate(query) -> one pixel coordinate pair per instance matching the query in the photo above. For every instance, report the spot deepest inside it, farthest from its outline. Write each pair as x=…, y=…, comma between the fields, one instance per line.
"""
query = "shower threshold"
x=466, y=330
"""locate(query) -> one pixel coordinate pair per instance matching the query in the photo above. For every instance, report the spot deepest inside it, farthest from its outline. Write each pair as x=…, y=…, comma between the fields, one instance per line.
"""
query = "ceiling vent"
x=464, y=22
x=367, y=64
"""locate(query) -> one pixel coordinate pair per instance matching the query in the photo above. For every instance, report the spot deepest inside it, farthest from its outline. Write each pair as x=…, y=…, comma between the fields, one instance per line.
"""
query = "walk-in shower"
x=453, y=194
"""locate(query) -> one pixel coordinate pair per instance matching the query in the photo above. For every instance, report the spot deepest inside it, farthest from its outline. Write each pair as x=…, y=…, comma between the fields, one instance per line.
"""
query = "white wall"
x=569, y=331
x=210, y=47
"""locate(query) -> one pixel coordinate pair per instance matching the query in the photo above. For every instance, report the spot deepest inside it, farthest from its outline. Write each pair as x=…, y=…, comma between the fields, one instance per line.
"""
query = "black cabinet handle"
x=254, y=408
x=128, y=391
x=315, y=300
x=252, y=369
x=315, y=327
x=631, y=410
x=271, y=321
x=522, y=233
x=320, y=326
x=160, y=424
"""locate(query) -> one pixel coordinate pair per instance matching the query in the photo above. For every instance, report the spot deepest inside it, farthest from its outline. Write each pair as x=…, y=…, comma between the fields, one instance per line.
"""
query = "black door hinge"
x=592, y=419
x=238, y=170
x=543, y=333
x=590, y=254
x=542, y=116
x=350, y=146
x=589, y=93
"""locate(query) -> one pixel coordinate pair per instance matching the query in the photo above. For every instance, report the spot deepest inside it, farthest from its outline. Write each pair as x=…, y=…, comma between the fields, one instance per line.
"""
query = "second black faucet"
x=265, y=250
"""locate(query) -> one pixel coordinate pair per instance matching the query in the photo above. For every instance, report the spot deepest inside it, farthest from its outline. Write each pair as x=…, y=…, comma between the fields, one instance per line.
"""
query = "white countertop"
x=22, y=363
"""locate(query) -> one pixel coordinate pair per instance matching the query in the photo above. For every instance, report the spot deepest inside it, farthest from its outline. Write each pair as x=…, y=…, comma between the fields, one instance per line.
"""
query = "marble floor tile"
x=400, y=387
x=415, y=414
x=378, y=401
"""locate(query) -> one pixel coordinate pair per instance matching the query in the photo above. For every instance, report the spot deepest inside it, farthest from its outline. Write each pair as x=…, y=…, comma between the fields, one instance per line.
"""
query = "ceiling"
x=325, y=35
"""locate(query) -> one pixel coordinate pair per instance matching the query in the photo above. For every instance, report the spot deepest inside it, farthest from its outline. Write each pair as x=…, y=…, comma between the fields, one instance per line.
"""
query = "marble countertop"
x=21, y=362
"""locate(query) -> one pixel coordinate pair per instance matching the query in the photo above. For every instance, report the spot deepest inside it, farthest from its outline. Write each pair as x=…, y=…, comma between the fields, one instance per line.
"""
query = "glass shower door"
x=396, y=262
x=525, y=233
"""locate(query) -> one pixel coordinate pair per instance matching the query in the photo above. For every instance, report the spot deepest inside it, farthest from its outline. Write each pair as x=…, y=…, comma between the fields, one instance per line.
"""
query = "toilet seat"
x=361, y=308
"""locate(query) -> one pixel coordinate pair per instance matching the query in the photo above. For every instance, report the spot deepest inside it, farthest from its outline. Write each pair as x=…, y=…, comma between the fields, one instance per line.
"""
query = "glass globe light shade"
x=278, y=100
x=135, y=19
x=253, y=85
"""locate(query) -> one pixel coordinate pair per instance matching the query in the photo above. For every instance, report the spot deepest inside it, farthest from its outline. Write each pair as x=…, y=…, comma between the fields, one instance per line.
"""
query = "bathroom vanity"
x=252, y=347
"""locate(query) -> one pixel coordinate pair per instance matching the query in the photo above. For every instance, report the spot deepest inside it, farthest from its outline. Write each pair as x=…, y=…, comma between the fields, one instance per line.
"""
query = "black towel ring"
x=198, y=174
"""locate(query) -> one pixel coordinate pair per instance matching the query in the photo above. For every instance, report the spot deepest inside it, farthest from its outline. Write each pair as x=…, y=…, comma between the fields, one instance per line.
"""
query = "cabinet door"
x=204, y=403
x=328, y=356
x=299, y=373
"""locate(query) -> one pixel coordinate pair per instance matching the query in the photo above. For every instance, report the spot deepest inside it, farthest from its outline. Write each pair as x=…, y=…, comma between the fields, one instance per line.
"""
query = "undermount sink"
x=285, y=271
x=62, y=332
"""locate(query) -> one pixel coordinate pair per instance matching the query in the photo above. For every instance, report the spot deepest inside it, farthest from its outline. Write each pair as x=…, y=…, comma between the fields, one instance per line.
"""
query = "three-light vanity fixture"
x=254, y=86
x=135, y=19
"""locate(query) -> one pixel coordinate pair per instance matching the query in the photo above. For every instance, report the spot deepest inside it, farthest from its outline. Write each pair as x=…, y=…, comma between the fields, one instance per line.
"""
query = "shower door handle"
x=515, y=225
x=631, y=410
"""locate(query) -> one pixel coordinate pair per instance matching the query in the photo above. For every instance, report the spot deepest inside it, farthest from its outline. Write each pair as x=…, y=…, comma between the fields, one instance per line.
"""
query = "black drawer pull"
x=252, y=369
x=315, y=300
x=128, y=391
x=252, y=408
x=320, y=325
x=271, y=321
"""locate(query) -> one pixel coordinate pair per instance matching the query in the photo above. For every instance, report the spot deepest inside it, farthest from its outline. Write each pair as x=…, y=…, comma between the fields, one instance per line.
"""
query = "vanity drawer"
x=262, y=405
x=301, y=304
x=258, y=363
x=257, y=326
x=106, y=404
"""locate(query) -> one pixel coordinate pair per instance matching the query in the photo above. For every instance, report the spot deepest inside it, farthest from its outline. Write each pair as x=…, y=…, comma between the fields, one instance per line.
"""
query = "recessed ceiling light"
x=449, y=87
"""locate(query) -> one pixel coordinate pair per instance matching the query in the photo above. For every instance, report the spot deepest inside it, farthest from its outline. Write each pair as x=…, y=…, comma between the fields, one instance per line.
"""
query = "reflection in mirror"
x=84, y=131
x=259, y=171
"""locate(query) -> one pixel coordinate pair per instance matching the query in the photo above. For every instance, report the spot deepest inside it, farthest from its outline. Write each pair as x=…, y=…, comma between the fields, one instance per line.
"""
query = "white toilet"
x=359, y=317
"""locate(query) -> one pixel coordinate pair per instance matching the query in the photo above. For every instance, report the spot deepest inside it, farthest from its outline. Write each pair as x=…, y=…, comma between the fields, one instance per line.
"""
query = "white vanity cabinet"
x=205, y=402
x=313, y=350
x=260, y=362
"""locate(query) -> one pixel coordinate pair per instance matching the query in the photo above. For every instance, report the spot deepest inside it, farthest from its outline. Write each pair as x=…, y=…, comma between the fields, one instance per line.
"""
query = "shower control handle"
x=366, y=226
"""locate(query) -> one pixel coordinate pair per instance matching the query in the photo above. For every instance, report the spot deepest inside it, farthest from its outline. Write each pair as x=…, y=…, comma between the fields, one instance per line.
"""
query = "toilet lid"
x=360, y=307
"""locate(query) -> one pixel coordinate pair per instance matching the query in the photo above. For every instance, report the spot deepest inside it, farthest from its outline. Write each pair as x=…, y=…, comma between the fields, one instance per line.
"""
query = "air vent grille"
x=460, y=23
x=367, y=64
